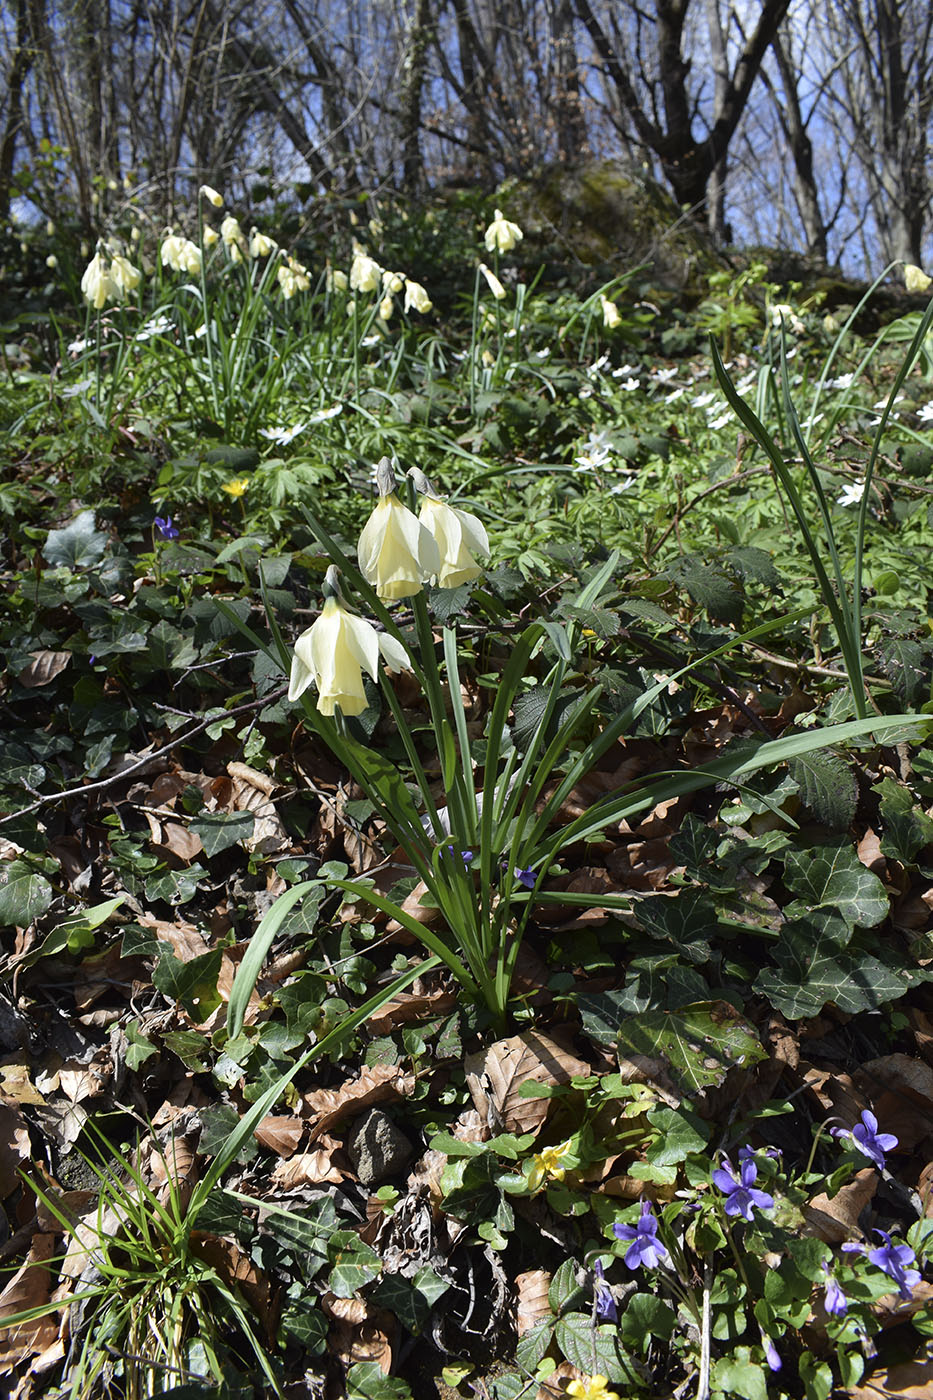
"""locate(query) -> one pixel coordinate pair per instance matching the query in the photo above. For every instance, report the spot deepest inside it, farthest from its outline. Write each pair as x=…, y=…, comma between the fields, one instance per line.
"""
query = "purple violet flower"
x=742, y=1196
x=646, y=1249
x=771, y=1353
x=894, y=1259
x=867, y=1139
x=834, y=1300
x=526, y=877
x=606, y=1309
x=166, y=529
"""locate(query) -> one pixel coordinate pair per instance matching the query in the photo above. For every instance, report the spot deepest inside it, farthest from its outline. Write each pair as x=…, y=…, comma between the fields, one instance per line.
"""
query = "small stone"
x=377, y=1148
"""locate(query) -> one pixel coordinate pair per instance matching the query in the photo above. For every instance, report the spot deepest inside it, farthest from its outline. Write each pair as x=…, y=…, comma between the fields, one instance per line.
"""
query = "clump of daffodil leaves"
x=483, y=839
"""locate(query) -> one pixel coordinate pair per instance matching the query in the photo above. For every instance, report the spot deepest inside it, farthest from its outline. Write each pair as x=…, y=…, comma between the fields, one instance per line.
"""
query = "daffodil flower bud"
x=502, y=235
x=211, y=195
x=396, y=552
x=209, y=236
x=260, y=246
x=915, y=279
x=386, y=307
x=495, y=286
x=611, y=317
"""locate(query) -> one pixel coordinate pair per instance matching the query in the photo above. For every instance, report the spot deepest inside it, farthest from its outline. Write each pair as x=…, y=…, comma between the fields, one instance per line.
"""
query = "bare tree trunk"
x=20, y=66
x=801, y=149
x=414, y=67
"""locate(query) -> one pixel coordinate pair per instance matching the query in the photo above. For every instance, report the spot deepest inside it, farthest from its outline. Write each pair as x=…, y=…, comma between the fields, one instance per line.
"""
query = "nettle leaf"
x=754, y=563
x=532, y=1345
x=24, y=894
x=647, y=611
x=603, y=621
x=192, y=984
x=815, y=967
x=833, y=877
x=218, y=830
x=711, y=588
x=827, y=787
x=565, y=1288
x=594, y=1351
x=700, y=1043
x=529, y=710
x=902, y=663
x=78, y=546
x=907, y=828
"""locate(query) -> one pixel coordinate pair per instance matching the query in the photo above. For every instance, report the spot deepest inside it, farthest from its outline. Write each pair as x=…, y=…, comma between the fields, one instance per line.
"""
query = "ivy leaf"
x=833, y=877
x=218, y=830
x=192, y=984
x=902, y=663
x=78, y=546
x=24, y=894
x=367, y=1381
x=411, y=1299
x=907, y=828
x=827, y=787
x=700, y=1043
x=815, y=967
x=686, y=921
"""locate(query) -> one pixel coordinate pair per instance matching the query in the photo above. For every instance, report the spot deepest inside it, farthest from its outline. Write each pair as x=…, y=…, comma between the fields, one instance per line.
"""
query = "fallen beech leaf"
x=374, y=1085
x=184, y=939
x=495, y=1076
x=410, y=1006
x=531, y=1301
x=15, y=1148
x=281, y=1133
x=43, y=668
x=237, y=1271
x=178, y=842
x=28, y=1288
x=836, y=1220
x=307, y=1169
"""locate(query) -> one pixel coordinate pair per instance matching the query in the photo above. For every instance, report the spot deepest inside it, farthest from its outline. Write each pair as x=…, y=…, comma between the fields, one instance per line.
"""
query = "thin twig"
x=84, y=788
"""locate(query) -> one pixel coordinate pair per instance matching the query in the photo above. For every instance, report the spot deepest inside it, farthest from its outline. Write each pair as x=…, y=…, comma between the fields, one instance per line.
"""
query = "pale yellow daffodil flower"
x=396, y=552
x=502, y=235
x=335, y=651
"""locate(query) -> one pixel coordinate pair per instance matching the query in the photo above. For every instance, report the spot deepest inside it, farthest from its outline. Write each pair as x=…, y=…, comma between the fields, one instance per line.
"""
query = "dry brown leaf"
x=870, y=853
x=308, y=1169
x=900, y=1090
x=15, y=1083
x=185, y=940
x=531, y=1301
x=43, y=668
x=836, y=1220
x=177, y=842
x=373, y=1085
x=28, y=1288
x=281, y=1133
x=15, y=1149
x=495, y=1076
x=411, y=1006
x=237, y=1271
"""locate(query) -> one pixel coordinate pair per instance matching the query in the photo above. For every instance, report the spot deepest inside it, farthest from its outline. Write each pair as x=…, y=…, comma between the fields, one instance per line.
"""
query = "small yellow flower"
x=416, y=297
x=456, y=533
x=334, y=652
x=237, y=487
x=915, y=279
x=97, y=284
x=209, y=236
x=611, y=317
x=548, y=1165
x=592, y=1388
x=211, y=196
x=502, y=234
x=260, y=245
x=396, y=552
x=495, y=286
x=365, y=272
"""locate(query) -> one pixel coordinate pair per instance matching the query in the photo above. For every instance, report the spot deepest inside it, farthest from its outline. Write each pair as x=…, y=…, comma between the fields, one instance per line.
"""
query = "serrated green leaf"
x=907, y=828
x=219, y=830
x=827, y=787
x=711, y=588
x=533, y=1344
x=24, y=894
x=595, y=1351
x=833, y=877
x=700, y=1043
x=902, y=663
x=565, y=1288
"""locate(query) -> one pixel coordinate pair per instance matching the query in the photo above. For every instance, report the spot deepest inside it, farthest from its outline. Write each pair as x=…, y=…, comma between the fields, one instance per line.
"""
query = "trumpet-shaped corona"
x=333, y=654
x=126, y=276
x=212, y=196
x=457, y=534
x=502, y=235
x=396, y=553
x=365, y=272
x=611, y=317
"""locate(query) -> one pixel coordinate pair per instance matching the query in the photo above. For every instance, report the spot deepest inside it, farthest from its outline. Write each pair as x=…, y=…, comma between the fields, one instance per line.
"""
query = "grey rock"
x=377, y=1148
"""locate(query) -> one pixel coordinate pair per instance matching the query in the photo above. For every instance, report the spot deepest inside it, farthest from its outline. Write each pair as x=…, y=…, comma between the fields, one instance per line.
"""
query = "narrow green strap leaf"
x=247, y=974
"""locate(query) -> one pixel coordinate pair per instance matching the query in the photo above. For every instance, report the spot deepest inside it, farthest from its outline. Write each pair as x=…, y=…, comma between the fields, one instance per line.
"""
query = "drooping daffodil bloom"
x=181, y=255
x=260, y=245
x=126, y=276
x=495, y=286
x=392, y=282
x=230, y=231
x=209, y=236
x=292, y=277
x=458, y=534
x=915, y=279
x=335, y=651
x=365, y=272
x=611, y=317
x=502, y=235
x=416, y=297
x=211, y=195
x=97, y=284
x=396, y=552
x=336, y=280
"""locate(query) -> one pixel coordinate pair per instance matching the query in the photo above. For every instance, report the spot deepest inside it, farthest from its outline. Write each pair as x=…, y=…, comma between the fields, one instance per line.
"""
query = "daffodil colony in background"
x=398, y=553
